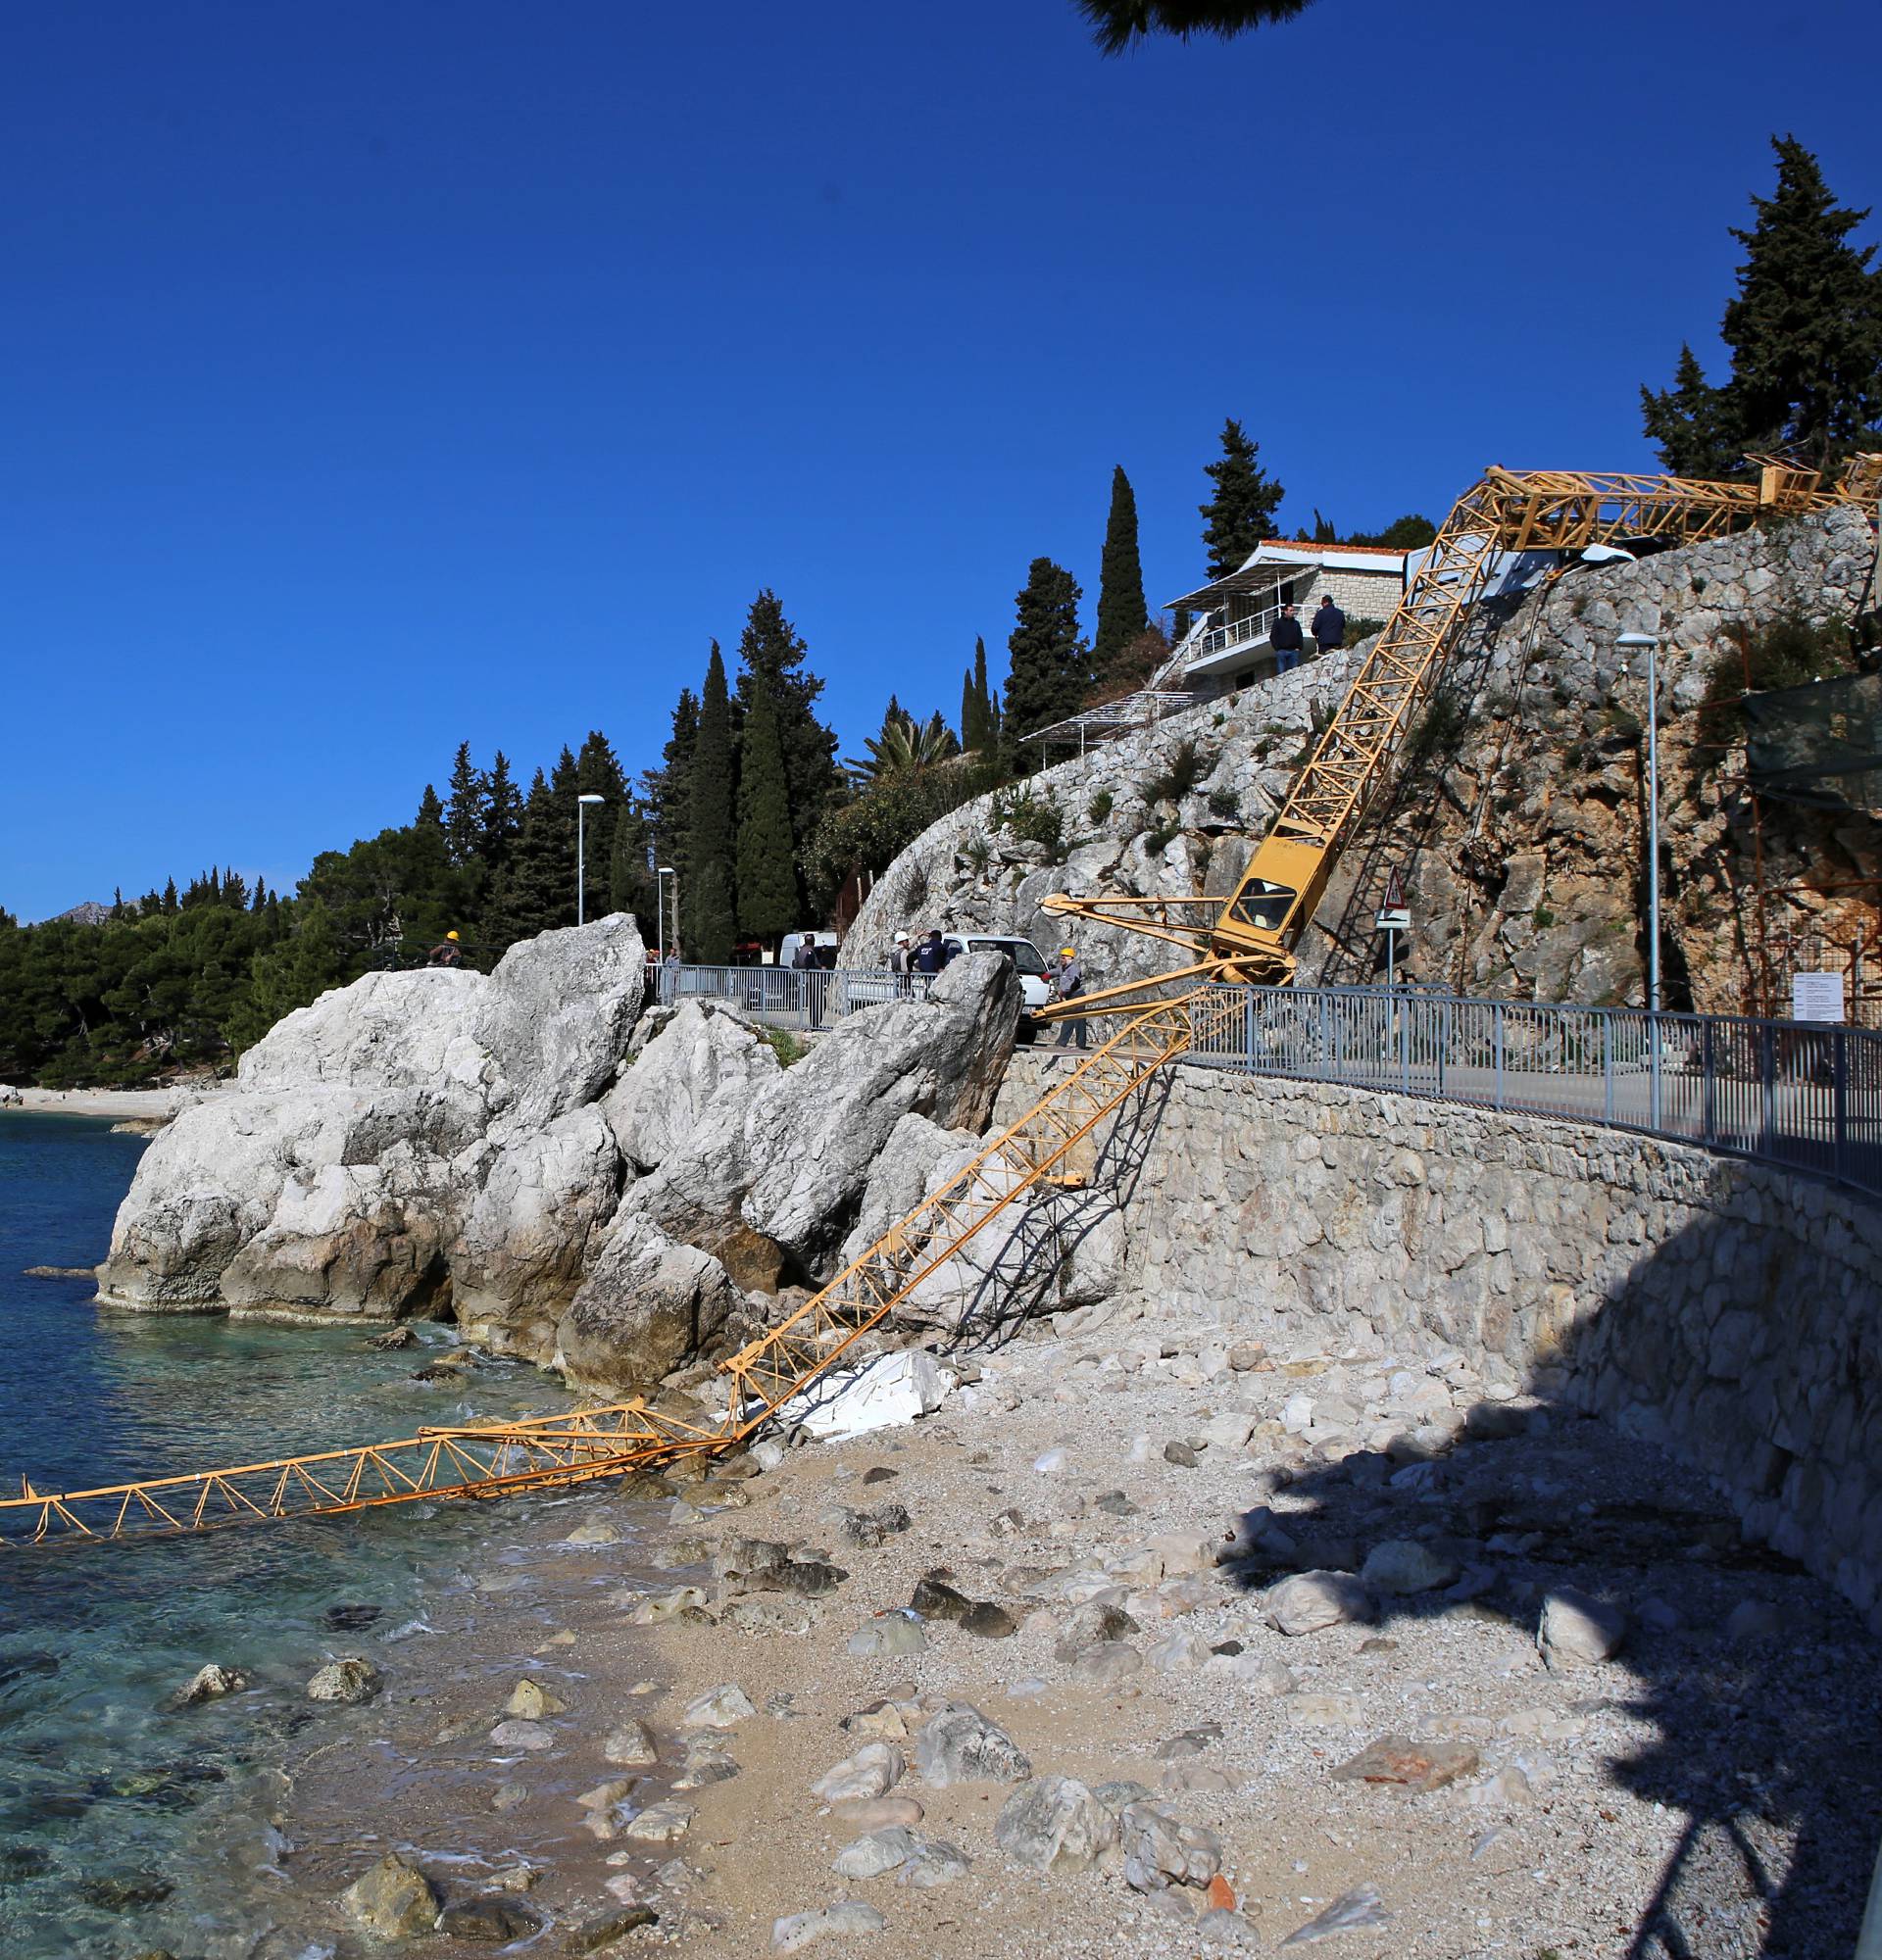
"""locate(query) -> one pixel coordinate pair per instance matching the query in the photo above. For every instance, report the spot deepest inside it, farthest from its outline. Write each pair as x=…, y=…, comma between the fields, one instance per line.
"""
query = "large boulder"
x=402, y=1137
x=814, y=1137
x=556, y=1013
x=531, y=1205
x=684, y=1064
x=648, y=1306
x=771, y=1174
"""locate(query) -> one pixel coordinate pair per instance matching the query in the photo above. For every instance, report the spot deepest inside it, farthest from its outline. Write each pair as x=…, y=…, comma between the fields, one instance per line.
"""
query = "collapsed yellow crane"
x=1252, y=932
x=1249, y=939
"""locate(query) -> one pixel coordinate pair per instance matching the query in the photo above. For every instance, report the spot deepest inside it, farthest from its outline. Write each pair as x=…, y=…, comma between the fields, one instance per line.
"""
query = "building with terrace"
x=1227, y=645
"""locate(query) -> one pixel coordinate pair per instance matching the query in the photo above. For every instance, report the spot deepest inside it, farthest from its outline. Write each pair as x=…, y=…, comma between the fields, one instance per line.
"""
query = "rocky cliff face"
x=577, y=1182
x=1516, y=814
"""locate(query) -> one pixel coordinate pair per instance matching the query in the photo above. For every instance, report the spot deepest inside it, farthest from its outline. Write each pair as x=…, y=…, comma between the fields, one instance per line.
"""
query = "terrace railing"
x=790, y=996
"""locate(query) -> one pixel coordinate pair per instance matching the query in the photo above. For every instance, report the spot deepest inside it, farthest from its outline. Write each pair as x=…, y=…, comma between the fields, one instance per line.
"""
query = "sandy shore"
x=121, y=1104
x=1693, y=1776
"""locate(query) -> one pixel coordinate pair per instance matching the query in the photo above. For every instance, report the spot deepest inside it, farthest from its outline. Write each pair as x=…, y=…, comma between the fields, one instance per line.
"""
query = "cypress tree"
x=705, y=899
x=1243, y=510
x=980, y=711
x=772, y=655
x=430, y=814
x=766, y=873
x=1805, y=328
x=463, y=807
x=970, y=712
x=1049, y=667
x=1121, y=612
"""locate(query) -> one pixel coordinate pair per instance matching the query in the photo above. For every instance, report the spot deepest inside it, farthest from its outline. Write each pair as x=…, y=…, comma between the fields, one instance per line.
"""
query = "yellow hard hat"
x=1068, y=951
x=450, y=935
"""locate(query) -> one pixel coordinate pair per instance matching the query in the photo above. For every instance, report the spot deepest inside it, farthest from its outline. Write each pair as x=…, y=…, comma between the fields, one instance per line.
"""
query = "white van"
x=822, y=947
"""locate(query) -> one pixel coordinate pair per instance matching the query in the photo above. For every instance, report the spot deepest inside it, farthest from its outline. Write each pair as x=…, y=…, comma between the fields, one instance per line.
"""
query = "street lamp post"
x=582, y=868
x=1649, y=644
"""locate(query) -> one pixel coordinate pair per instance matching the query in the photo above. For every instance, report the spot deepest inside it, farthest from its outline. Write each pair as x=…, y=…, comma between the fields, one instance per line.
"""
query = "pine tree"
x=772, y=653
x=235, y=890
x=1805, y=328
x=664, y=791
x=463, y=807
x=430, y=814
x=598, y=772
x=705, y=899
x=1116, y=24
x=1243, y=510
x=1050, y=666
x=260, y=902
x=765, y=870
x=536, y=889
x=1121, y=612
x=1805, y=331
x=503, y=807
x=292, y=973
x=631, y=877
x=117, y=902
x=1692, y=423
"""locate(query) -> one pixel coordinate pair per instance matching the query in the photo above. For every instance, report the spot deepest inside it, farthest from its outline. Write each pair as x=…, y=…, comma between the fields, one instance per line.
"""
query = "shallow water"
x=123, y=1824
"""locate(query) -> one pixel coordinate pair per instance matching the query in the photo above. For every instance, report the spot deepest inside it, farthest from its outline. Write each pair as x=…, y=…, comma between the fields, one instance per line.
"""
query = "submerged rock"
x=350, y=1681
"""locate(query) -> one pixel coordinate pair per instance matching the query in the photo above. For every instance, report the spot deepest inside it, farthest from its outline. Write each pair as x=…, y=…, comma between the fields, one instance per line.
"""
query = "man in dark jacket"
x=1329, y=627
x=1285, y=640
x=929, y=955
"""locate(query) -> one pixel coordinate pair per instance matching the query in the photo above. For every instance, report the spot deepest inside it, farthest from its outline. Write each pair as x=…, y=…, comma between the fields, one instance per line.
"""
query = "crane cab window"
x=1266, y=905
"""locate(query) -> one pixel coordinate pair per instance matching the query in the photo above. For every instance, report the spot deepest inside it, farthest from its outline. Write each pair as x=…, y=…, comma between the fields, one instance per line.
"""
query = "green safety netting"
x=1820, y=744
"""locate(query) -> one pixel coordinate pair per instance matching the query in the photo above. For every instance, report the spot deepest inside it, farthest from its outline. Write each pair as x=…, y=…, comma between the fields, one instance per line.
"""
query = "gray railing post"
x=1839, y=1095
x=1404, y=1044
x=1607, y=1067
x=1496, y=1022
x=1248, y=1029
x=1709, y=1090
x=1768, y=1074
x=1652, y=1064
x=1447, y=1023
x=1325, y=1055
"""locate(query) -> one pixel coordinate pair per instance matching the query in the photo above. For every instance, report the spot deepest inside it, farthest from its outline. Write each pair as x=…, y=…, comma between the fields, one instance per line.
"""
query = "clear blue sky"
x=379, y=376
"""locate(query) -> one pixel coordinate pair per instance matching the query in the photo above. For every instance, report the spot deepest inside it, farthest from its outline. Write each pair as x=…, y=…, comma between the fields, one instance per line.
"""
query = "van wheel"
x=1026, y=1033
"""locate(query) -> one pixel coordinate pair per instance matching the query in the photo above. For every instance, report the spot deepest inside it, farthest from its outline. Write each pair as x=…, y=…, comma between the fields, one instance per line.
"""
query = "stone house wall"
x=1730, y=1313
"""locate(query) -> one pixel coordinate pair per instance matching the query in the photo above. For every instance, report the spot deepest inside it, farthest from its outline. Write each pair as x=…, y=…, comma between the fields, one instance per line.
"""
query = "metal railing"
x=1805, y=1095
x=792, y=997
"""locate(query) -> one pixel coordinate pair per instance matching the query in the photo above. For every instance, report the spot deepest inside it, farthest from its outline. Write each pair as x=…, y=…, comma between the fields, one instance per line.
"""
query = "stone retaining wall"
x=1730, y=1313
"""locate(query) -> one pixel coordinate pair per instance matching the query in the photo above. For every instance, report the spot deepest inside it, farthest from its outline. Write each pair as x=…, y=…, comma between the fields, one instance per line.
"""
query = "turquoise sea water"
x=125, y=1825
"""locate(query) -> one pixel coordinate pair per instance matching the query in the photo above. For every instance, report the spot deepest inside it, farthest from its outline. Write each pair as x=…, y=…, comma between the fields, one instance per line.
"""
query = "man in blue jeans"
x=1285, y=640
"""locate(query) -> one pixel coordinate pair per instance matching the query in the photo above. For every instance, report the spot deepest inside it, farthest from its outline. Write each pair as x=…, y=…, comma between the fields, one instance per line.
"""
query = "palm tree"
x=1118, y=24
x=905, y=748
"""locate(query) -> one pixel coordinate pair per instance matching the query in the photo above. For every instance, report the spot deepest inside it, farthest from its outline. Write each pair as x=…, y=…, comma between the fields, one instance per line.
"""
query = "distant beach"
x=121, y=1104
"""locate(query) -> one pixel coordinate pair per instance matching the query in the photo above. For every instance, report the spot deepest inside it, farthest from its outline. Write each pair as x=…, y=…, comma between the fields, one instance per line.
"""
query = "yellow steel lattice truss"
x=1044, y=1147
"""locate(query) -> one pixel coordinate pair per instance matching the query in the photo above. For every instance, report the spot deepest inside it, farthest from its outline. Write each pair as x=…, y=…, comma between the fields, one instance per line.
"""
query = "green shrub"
x=1788, y=652
x=1032, y=815
x=1544, y=919
x=785, y=1045
x=1158, y=841
x=1179, y=775
x=1438, y=729
x=1101, y=805
x=1225, y=803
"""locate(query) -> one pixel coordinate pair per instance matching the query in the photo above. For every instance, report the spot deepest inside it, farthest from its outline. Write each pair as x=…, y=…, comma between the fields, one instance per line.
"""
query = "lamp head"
x=591, y=799
x=1636, y=642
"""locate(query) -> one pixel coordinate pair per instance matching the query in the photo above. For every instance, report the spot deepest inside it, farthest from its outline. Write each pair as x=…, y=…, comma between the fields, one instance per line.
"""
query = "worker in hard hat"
x=1067, y=983
x=447, y=952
